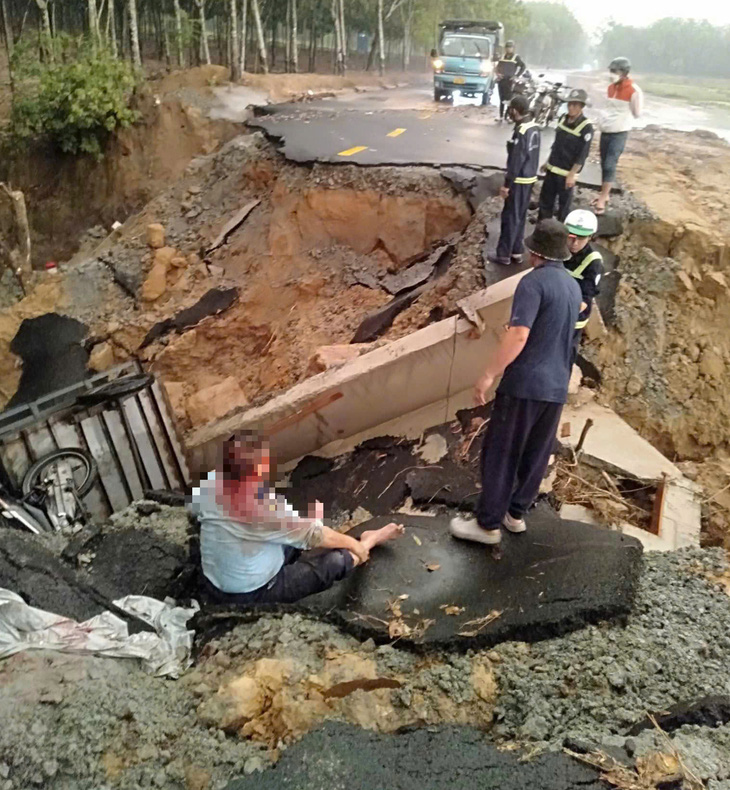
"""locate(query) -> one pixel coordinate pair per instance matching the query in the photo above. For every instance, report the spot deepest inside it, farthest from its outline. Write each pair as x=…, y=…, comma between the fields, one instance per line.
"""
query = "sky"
x=595, y=15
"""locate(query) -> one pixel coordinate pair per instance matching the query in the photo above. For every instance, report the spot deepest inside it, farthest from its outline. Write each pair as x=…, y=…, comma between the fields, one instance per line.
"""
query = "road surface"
x=403, y=126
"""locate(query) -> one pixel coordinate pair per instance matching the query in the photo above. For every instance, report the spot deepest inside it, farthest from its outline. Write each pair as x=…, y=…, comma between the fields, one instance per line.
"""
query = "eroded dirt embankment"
x=68, y=195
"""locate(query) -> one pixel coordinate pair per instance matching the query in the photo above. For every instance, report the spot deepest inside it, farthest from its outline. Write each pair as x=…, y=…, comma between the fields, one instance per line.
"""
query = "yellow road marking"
x=395, y=132
x=355, y=150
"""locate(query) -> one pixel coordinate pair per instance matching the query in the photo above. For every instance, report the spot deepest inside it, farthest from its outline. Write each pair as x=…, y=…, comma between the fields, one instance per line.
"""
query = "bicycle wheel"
x=83, y=469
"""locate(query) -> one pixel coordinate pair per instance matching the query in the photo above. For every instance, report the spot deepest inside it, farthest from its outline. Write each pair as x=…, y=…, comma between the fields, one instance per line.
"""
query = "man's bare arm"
x=510, y=347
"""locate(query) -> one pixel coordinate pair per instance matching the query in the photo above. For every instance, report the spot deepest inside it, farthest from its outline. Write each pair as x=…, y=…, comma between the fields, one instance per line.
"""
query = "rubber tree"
x=340, y=65
x=111, y=28
x=294, y=37
x=256, y=11
x=46, y=33
x=8, y=38
x=381, y=40
x=93, y=22
x=233, y=41
x=133, y=33
x=204, y=48
x=244, y=27
x=177, y=13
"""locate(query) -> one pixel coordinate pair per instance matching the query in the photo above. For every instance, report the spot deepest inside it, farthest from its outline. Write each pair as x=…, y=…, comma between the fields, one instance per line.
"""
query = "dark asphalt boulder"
x=427, y=758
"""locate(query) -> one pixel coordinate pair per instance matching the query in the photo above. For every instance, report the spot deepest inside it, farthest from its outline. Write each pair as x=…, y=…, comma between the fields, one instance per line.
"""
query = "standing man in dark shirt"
x=523, y=159
x=534, y=357
x=585, y=265
x=509, y=67
x=567, y=157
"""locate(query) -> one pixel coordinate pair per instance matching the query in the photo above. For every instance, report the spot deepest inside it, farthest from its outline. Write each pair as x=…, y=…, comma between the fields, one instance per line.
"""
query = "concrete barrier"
x=401, y=388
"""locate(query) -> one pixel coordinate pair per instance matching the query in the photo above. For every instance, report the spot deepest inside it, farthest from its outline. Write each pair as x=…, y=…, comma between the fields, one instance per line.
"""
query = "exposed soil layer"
x=298, y=262
x=68, y=195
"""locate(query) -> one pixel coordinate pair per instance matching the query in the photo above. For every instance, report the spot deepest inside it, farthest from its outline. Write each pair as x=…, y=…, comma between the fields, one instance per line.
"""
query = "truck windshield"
x=466, y=47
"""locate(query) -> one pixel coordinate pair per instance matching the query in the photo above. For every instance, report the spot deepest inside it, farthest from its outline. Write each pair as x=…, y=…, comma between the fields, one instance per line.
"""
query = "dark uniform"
x=508, y=69
x=523, y=160
x=571, y=147
x=586, y=267
x=526, y=412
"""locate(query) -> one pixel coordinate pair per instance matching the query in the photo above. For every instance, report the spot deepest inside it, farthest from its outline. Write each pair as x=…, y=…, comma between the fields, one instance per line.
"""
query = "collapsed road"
x=350, y=129
x=256, y=277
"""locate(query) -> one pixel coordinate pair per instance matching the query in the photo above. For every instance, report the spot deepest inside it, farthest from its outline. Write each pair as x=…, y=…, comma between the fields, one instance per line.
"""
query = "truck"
x=465, y=57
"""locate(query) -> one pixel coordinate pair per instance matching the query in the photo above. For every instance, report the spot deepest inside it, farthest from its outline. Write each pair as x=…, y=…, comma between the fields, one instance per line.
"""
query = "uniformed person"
x=534, y=362
x=585, y=265
x=567, y=157
x=509, y=67
x=523, y=159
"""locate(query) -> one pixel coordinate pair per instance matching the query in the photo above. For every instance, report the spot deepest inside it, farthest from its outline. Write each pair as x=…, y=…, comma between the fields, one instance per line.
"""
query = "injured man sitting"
x=255, y=548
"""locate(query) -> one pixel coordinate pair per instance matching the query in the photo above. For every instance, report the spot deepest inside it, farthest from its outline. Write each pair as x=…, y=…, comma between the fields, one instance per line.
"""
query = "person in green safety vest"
x=585, y=265
x=567, y=157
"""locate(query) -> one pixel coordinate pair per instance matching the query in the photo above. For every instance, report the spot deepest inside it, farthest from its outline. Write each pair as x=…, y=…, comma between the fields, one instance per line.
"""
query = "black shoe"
x=517, y=258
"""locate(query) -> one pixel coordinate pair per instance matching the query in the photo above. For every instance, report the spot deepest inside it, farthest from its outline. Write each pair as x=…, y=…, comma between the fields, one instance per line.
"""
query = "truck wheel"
x=485, y=98
x=437, y=94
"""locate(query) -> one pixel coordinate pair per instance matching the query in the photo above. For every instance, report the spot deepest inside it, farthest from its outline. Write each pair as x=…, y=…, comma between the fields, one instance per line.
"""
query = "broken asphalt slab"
x=51, y=347
x=438, y=139
x=706, y=712
x=555, y=578
x=30, y=570
x=213, y=302
x=342, y=755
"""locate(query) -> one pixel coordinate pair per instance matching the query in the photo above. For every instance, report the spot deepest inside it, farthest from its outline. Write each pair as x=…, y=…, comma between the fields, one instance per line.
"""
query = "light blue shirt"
x=241, y=556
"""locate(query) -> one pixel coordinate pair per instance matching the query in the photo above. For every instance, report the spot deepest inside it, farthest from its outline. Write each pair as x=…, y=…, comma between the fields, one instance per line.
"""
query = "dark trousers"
x=517, y=447
x=505, y=94
x=554, y=190
x=303, y=573
x=514, y=215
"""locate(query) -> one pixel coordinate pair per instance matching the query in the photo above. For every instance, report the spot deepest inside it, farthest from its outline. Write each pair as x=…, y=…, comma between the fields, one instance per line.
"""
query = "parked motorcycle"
x=524, y=85
x=546, y=101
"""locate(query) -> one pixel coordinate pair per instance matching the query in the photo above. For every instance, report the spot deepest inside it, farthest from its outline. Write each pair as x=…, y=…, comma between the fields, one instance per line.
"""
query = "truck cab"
x=464, y=59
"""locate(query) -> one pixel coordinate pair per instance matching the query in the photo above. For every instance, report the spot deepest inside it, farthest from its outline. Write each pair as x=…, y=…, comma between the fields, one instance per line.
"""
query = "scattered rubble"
x=600, y=681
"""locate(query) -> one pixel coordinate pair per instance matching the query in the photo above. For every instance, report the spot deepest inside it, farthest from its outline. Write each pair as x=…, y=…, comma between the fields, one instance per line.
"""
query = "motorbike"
x=546, y=101
x=51, y=493
x=524, y=85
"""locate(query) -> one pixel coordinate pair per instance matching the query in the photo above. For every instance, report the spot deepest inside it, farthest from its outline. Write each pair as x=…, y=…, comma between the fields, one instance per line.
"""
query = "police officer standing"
x=585, y=265
x=567, y=157
x=523, y=159
x=509, y=68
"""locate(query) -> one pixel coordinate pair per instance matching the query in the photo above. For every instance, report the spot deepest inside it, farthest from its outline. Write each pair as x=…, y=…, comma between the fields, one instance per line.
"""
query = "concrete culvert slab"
x=341, y=755
x=434, y=591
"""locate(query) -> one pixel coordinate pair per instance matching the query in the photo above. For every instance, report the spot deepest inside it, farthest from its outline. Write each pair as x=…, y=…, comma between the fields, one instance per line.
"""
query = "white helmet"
x=581, y=222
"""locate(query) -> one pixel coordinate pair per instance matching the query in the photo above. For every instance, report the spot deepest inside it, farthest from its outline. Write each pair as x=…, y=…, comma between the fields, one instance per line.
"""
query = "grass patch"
x=694, y=90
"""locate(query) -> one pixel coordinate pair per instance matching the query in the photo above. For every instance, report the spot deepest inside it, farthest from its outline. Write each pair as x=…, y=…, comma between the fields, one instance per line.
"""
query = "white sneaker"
x=514, y=524
x=468, y=529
